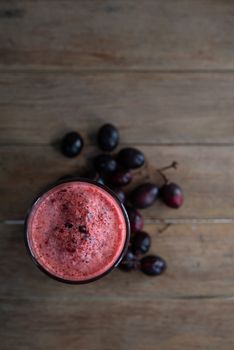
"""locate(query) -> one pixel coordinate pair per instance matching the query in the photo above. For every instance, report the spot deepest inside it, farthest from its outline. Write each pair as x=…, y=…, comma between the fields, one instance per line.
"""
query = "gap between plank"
x=118, y=298
x=135, y=143
x=152, y=221
x=72, y=70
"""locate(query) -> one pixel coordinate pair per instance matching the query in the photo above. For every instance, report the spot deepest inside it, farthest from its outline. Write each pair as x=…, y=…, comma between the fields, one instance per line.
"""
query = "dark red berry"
x=135, y=219
x=105, y=163
x=144, y=196
x=95, y=176
x=121, y=178
x=128, y=262
x=172, y=195
x=131, y=158
x=72, y=144
x=108, y=137
x=120, y=194
x=153, y=265
x=141, y=242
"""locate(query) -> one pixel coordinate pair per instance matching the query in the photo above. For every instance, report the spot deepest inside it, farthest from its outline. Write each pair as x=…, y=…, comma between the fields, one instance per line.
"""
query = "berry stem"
x=140, y=171
x=173, y=165
x=143, y=172
x=165, y=179
x=164, y=228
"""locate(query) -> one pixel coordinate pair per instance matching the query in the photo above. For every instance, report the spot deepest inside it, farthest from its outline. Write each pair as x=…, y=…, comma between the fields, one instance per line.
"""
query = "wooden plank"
x=199, y=258
x=165, y=108
x=118, y=325
x=205, y=173
x=187, y=34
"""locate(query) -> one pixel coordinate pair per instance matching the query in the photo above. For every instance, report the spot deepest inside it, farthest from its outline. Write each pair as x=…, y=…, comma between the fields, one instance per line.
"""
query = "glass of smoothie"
x=77, y=231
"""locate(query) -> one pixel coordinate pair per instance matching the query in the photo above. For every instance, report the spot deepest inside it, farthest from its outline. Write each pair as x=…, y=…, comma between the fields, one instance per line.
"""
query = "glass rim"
x=64, y=181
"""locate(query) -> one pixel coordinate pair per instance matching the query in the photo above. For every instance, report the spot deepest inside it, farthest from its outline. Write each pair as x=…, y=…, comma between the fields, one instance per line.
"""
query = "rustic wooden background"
x=163, y=72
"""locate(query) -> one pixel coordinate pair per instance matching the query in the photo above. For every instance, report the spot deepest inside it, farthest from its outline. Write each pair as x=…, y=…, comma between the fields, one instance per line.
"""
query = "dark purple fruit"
x=72, y=144
x=95, y=176
x=135, y=219
x=108, y=137
x=121, y=178
x=172, y=195
x=144, y=196
x=120, y=194
x=105, y=163
x=141, y=242
x=153, y=265
x=131, y=158
x=128, y=262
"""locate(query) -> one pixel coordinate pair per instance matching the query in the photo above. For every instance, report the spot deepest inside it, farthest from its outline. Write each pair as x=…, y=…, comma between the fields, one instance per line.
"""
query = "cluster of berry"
x=116, y=171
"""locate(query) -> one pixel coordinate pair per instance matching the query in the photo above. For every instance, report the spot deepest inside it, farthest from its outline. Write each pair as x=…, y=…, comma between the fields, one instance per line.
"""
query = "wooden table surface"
x=163, y=72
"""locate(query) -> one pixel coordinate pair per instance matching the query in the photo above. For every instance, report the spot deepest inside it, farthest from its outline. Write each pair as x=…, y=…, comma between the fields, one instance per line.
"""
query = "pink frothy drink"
x=77, y=231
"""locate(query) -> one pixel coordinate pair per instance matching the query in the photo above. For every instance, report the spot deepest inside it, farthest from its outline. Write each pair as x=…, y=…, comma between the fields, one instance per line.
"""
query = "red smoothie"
x=77, y=231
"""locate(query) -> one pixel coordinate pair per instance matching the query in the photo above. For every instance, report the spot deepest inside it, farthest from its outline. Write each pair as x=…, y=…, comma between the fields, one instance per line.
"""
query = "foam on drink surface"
x=76, y=231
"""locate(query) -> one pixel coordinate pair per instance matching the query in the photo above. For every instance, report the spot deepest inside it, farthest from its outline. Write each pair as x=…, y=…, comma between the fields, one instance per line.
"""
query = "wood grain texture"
x=205, y=173
x=159, y=108
x=122, y=325
x=199, y=258
x=162, y=71
x=128, y=34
